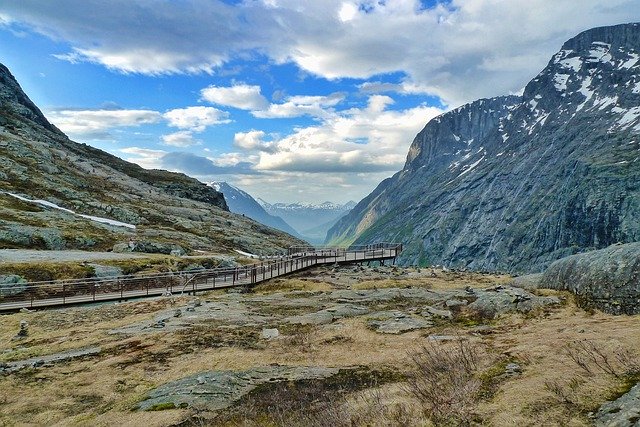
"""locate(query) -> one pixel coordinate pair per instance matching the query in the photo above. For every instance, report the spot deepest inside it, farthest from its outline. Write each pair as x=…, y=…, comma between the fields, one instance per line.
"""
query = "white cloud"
x=196, y=119
x=96, y=123
x=252, y=140
x=242, y=96
x=297, y=106
x=459, y=50
x=369, y=139
x=180, y=139
x=145, y=157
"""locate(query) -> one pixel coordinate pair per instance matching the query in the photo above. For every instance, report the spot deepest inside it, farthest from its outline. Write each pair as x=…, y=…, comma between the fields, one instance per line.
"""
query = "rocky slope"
x=514, y=183
x=89, y=199
x=243, y=203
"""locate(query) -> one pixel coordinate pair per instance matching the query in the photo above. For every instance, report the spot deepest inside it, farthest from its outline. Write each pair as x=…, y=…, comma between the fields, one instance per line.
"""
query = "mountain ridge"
x=241, y=202
x=514, y=183
x=167, y=209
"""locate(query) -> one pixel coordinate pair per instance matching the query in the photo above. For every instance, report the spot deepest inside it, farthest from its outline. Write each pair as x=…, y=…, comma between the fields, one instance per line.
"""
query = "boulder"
x=12, y=285
x=622, y=412
x=607, y=279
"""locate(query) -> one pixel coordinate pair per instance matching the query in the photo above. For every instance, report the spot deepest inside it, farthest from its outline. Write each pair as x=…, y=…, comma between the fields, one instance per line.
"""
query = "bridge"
x=120, y=288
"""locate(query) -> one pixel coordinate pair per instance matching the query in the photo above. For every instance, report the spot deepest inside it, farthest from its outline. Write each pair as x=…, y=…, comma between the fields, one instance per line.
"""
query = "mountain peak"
x=14, y=102
x=514, y=183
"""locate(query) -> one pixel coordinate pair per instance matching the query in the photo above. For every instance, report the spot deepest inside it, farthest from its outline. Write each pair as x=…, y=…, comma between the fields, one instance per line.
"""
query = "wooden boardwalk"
x=120, y=288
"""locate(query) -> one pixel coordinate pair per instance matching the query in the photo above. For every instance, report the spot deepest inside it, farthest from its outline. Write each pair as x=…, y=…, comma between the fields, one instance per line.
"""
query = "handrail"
x=73, y=291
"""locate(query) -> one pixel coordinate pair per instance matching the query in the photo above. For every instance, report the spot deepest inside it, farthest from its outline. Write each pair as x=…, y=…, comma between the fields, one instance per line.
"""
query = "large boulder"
x=607, y=279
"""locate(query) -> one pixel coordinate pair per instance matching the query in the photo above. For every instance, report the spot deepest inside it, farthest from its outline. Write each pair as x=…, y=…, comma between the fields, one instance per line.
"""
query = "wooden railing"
x=77, y=291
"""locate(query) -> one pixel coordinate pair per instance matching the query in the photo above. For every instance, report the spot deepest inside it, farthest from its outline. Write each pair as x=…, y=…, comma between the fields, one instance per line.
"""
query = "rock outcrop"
x=515, y=183
x=607, y=279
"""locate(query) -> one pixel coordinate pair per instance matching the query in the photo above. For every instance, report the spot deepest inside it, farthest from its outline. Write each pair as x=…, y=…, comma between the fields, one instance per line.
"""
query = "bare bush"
x=445, y=381
x=593, y=358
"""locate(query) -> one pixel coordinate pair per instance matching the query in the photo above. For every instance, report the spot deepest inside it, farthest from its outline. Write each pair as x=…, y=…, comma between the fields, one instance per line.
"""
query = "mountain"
x=241, y=202
x=514, y=183
x=310, y=220
x=58, y=194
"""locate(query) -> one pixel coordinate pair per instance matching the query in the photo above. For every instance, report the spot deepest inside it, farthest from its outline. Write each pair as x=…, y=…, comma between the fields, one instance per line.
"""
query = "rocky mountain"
x=514, y=183
x=312, y=221
x=243, y=203
x=58, y=194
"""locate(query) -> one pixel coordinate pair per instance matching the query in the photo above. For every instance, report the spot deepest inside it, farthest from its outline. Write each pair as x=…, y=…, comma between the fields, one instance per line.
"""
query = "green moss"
x=166, y=405
x=44, y=271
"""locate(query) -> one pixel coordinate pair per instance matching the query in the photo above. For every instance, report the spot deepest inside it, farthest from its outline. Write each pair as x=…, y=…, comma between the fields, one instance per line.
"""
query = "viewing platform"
x=120, y=288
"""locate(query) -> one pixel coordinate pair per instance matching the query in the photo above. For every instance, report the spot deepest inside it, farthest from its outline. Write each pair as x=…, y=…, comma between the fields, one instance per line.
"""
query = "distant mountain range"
x=241, y=202
x=515, y=182
x=312, y=221
x=58, y=194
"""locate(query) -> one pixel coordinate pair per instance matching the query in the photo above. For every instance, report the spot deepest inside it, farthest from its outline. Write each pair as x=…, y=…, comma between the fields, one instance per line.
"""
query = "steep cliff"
x=514, y=183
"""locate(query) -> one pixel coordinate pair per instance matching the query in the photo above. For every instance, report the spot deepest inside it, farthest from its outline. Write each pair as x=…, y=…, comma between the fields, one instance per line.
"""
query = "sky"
x=290, y=100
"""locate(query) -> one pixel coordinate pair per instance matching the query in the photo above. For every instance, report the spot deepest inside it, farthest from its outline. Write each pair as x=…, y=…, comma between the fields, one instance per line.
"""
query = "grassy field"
x=394, y=385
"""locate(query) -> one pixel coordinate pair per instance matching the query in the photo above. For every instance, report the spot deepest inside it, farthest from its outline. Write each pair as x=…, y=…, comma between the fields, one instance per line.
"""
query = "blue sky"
x=290, y=100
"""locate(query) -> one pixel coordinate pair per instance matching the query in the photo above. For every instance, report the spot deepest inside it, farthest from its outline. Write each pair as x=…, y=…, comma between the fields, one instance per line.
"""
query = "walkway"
x=68, y=292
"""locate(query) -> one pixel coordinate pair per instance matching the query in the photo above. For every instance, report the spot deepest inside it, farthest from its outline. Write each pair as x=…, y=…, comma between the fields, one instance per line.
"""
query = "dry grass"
x=102, y=390
x=293, y=284
x=441, y=280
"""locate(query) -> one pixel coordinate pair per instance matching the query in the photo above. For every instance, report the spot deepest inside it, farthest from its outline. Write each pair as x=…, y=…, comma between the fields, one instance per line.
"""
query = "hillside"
x=514, y=183
x=89, y=199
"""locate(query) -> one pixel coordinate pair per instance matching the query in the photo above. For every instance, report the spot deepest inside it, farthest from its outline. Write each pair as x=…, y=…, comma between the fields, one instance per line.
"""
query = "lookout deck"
x=120, y=288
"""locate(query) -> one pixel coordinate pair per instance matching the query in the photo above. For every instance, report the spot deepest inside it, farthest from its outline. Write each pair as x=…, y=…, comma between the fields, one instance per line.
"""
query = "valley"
x=155, y=290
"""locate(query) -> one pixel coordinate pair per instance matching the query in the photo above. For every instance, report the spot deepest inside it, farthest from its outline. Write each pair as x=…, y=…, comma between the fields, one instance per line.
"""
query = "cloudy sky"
x=292, y=100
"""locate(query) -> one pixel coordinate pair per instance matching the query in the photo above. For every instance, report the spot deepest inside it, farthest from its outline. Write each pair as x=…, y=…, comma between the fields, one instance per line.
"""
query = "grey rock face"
x=608, y=279
x=514, y=184
x=396, y=322
x=622, y=412
x=219, y=389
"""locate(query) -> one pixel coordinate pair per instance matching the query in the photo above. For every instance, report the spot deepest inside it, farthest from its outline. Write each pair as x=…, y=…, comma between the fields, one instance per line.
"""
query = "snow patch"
x=471, y=167
x=631, y=62
x=89, y=217
x=586, y=91
x=574, y=63
x=560, y=82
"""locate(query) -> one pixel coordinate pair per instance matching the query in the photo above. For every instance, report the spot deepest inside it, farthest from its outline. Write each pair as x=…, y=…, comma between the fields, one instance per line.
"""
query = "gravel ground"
x=28, y=255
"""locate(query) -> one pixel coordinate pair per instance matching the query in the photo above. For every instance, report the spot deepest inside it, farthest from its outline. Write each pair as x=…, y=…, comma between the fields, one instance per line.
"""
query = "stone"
x=445, y=314
x=50, y=359
x=269, y=334
x=513, y=369
x=11, y=285
x=453, y=303
x=396, y=322
x=622, y=412
x=177, y=313
x=606, y=279
x=23, y=332
x=215, y=390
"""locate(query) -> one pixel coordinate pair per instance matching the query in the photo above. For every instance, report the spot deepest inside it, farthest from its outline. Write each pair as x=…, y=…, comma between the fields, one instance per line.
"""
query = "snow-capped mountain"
x=241, y=202
x=513, y=183
x=311, y=220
